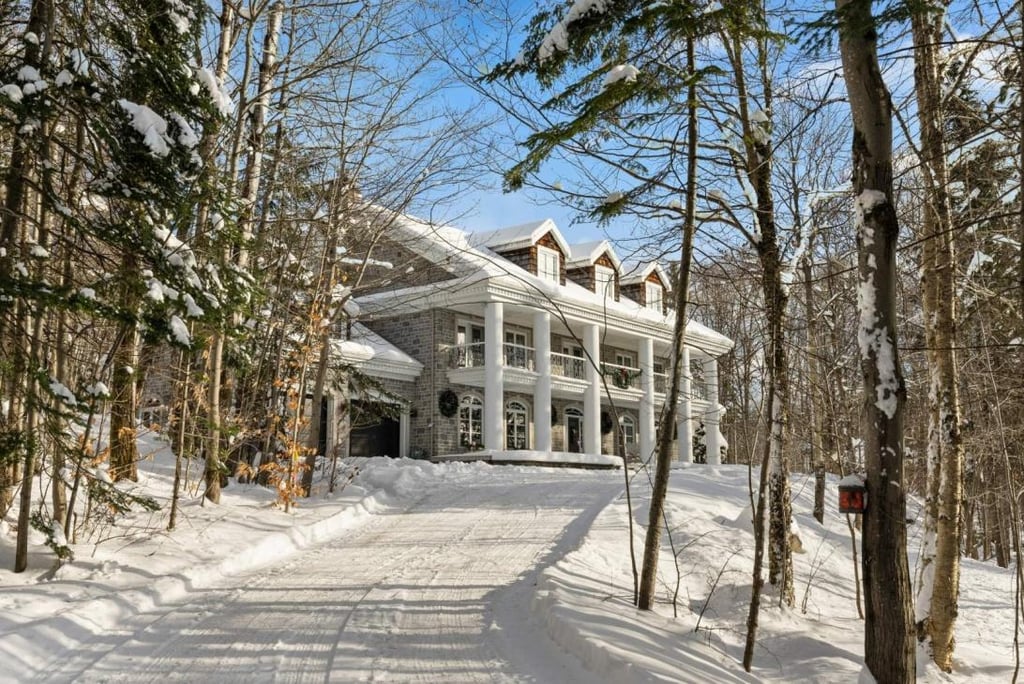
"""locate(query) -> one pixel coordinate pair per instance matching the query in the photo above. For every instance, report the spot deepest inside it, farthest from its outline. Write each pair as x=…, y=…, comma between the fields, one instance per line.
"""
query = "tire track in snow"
x=406, y=597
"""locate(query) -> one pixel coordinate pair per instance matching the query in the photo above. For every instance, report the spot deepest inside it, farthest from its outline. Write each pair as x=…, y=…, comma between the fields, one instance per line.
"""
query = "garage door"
x=373, y=436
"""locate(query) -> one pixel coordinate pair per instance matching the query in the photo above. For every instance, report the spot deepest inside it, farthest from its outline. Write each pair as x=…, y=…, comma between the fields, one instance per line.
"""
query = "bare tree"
x=889, y=627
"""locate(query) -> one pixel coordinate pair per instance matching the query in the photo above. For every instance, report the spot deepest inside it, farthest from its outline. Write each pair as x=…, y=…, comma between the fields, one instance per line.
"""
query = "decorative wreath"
x=620, y=377
x=606, y=423
x=448, y=403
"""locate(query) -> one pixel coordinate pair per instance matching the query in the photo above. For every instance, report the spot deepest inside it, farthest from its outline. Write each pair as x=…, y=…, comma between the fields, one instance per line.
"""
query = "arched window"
x=471, y=421
x=628, y=429
x=517, y=425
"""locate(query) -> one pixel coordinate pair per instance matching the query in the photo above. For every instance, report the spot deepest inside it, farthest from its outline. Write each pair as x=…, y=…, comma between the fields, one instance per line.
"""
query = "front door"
x=574, y=430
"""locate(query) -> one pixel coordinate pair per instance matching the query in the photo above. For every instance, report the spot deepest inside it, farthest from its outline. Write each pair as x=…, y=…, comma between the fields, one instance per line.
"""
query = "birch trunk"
x=652, y=540
x=939, y=581
x=889, y=621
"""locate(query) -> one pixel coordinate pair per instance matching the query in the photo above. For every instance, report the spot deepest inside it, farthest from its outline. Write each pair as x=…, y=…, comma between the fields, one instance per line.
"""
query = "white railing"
x=566, y=366
x=661, y=382
x=472, y=356
x=518, y=356
x=622, y=377
x=466, y=355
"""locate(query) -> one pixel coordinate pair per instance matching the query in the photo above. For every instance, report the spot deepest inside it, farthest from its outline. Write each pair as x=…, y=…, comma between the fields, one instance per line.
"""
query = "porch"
x=523, y=350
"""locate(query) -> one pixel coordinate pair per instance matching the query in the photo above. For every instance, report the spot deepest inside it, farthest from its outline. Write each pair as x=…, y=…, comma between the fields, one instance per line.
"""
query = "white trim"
x=651, y=288
x=403, y=432
x=458, y=418
x=604, y=286
x=543, y=274
x=526, y=413
x=574, y=412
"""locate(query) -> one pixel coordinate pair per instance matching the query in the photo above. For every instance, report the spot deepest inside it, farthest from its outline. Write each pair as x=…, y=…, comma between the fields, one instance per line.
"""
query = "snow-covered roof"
x=369, y=351
x=635, y=273
x=519, y=237
x=479, y=271
x=584, y=254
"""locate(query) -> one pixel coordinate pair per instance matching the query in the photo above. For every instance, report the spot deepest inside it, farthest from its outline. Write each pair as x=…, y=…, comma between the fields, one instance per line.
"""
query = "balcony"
x=472, y=356
x=621, y=377
x=566, y=366
x=466, y=363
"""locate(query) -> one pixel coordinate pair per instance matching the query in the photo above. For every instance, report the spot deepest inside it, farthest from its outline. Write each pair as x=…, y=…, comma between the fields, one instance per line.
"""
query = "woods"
x=193, y=196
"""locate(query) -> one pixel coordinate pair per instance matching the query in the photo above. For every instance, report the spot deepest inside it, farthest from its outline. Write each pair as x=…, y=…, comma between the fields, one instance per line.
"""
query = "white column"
x=542, y=390
x=494, y=376
x=592, y=394
x=712, y=437
x=684, y=428
x=403, y=432
x=646, y=428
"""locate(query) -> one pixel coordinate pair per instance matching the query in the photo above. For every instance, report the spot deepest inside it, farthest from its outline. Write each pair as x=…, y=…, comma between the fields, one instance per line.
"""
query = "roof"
x=370, y=352
x=480, y=273
x=519, y=237
x=636, y=273
x=586, y=253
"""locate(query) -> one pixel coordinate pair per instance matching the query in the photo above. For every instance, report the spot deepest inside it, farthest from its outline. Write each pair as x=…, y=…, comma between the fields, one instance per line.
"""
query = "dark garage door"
x=372, y=436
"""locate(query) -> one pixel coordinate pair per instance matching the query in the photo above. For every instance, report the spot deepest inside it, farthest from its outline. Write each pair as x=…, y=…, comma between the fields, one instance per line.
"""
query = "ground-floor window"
x=471, y=421
x=628, y=429
x=517, y=426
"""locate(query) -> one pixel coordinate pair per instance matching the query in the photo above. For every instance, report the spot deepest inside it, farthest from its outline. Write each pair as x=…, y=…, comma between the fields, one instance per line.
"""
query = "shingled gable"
x=633, y=285
x=580, y=268
x=519, y=244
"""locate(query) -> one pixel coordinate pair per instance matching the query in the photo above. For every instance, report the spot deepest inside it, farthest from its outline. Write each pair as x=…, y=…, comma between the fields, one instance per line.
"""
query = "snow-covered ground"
x=454, y=572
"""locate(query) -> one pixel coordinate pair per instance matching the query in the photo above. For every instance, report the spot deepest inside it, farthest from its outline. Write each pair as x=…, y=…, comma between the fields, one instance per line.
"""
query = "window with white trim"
x=471, y=421
x=549, y=264
x=604, y=281
x=655, y=297
x=628, y=429
x=517, y=426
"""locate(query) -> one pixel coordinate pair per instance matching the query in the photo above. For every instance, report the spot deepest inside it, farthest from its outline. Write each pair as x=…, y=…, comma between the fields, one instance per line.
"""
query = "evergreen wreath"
x=448, y=403
x=606, y=423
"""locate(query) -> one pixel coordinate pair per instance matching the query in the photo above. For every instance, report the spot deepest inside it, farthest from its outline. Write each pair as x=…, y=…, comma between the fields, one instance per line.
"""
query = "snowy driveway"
x=432, y=594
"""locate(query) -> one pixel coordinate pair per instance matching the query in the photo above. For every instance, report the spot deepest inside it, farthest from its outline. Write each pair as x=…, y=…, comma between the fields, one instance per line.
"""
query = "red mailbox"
x=853, y=495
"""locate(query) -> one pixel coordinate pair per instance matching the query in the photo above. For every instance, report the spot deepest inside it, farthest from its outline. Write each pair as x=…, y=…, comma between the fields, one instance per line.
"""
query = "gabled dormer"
x=537, y=247
x=648, y=285
x=595, y=266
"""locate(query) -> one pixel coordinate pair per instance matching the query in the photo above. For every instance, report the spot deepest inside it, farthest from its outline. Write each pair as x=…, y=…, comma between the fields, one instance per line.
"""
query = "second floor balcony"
x=465, y=358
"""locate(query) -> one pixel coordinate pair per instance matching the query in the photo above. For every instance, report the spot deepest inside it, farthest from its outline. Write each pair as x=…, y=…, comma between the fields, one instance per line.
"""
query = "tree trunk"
x=889, y=628
x=652, y=540
x=814, y=382
x=939, y=581
x=124, y=451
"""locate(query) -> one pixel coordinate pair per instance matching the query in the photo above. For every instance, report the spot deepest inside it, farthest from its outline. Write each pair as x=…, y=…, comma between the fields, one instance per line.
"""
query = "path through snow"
x=407, y=597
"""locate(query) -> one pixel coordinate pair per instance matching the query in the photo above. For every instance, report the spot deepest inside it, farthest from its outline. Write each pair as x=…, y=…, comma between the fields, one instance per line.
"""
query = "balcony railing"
x=698, y=390
x=472, y=356
x=518, y=356
x=466, y=355
x=622, y=377
x=566, y=366
x=661, y=382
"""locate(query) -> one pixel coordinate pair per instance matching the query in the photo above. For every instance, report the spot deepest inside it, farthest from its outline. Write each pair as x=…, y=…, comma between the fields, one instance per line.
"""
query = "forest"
x=192, y=192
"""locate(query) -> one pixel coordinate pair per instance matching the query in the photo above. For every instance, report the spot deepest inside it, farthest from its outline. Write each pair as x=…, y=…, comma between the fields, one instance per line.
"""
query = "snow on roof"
x=519, y=237
x=634, y=273
x=365, y=345
x=479, y=262
x=586, y=253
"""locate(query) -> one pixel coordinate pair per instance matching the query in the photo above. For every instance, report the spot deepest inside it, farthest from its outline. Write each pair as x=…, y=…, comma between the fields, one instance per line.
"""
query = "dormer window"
x=655, y=297
x=549, y=265
x=604, y=282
